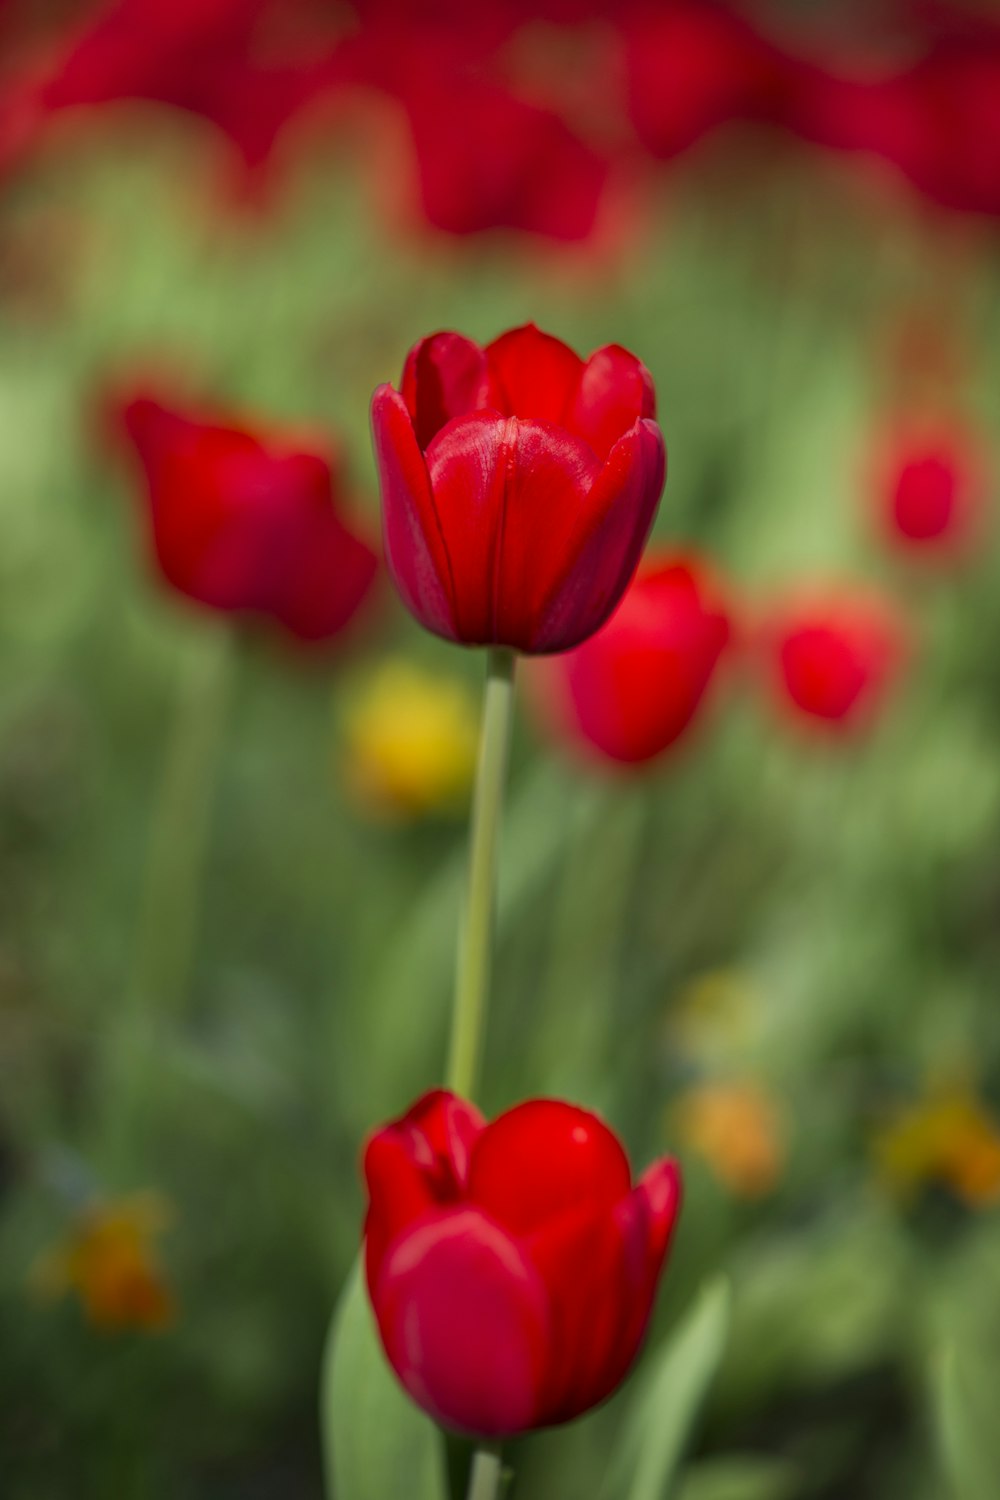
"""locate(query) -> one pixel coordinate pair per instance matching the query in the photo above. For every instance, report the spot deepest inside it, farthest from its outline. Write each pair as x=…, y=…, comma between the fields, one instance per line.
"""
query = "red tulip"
x=633, y=689
x=485, y=153
x=937, y=120
x=247, y=524
x=519, y=485
x=836, y=656
x=488, y=159
x=220, y=60
x=512, y=1266
x=694, y=65
x=929, y=484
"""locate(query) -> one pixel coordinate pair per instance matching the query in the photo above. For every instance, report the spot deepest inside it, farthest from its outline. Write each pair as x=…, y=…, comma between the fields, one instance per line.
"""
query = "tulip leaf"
x=965, y=1399
x=668, y=1401
x=749, y=1477
x=376, y=1443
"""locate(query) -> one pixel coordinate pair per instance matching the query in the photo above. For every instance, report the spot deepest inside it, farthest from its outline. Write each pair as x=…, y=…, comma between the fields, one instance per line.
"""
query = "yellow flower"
x=737, y=1129
x=109, y=1262
x=948, y=1138
x=410, y=741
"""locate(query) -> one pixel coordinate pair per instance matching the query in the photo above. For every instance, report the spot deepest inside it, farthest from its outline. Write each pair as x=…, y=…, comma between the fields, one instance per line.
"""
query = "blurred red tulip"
x=694, y=65
x=512, y=1266
x=632, y=690
x=929, y=484
x=485, y=155
x=936, y=120
x=519, y=485
x=246, y=523
x=487, y=159
x=216, y=59
x=834, y=656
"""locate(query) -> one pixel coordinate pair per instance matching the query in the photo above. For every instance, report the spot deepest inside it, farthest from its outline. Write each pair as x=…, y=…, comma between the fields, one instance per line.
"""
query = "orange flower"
x=108, y=1260
x=737, y=1129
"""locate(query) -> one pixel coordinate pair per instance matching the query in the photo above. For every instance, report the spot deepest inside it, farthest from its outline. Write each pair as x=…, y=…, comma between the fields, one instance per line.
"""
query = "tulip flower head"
x=519, y=485
x=511, y=1266
x=935, y=120
x=694, y=65
x=930, y=486
x=488, y=159
x=631, y=690
x=221, y=61
x=835, y=657
x=246, y=524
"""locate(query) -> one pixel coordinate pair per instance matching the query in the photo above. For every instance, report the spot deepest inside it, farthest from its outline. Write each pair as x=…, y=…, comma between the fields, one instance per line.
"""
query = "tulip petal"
x=418, y=1162
x=327, y=582
x=608, y=536
x=536, y=375
x=507, y=493
x=414, y=542
x=446, y=1127
x=650, y=1212
x=326, y=570
x=445, y=376
x=400, y=1192
x=542, y=1158
x=615, y=389
x=646, y=1218
x=582, y=1262
x=464, y=1321
x=600, y=1267
x=634, y=687
x=228, y=515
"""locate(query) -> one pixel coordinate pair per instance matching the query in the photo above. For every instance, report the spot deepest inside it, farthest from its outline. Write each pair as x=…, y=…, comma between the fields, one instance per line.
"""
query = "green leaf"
x=668, y=1401
x=376, y=1443
x=965, y=1400
x=749, y=1477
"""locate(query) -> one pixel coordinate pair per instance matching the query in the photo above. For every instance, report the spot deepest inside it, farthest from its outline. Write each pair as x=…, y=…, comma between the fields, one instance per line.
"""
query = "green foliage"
x=666, y=1402
x=739, y=1479
x=376, y=1442
x=849, y=892
x=965, y=1401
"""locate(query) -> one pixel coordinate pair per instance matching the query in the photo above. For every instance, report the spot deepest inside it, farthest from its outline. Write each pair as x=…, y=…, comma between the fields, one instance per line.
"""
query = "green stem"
x=179, y=834
x=475, y=940
x=486, y=1474
x=170, y=898
x=587, y=950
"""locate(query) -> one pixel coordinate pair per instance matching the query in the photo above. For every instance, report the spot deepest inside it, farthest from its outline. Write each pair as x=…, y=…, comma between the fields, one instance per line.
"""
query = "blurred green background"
x=812, y=927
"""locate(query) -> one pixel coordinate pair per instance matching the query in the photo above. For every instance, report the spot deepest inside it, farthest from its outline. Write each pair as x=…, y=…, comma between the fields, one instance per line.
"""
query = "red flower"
x=937, y=121
x=519, y=485
x=634, y=687
x=929, y=485
x=835, y=657
x=694, y=65
x=240, y=65
x=488, y=159
x=512, y=1266
x=247, y=524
